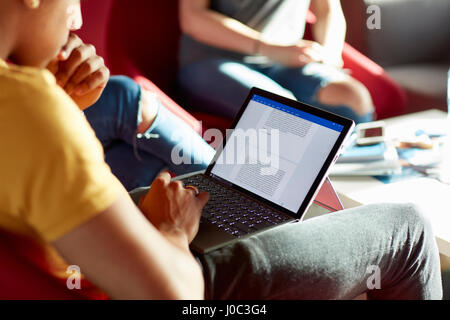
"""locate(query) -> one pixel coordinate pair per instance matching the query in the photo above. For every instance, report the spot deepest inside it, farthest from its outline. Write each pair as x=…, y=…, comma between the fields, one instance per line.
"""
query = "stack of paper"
x=374, y=160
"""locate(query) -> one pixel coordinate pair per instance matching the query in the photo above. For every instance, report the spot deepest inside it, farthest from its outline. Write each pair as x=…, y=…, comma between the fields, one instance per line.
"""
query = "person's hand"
x=80, y=72
x=297, y=55
x=173, y=209
x=333, y=59
x=300, y=54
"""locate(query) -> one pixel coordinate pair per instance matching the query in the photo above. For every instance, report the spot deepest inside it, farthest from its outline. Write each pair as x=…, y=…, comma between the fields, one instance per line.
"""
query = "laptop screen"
x=276, y=151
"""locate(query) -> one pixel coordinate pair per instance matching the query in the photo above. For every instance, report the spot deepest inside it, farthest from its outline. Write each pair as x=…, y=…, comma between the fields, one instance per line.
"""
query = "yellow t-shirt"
x=53, y=176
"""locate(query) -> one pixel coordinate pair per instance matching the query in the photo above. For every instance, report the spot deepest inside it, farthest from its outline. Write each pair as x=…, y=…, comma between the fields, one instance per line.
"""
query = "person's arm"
x=215, y=29
x=125, y=255
x=330, y=29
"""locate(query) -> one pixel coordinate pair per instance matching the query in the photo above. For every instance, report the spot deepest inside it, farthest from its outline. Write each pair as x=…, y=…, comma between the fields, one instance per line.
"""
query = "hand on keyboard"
x=233, y=212
x=174, y=210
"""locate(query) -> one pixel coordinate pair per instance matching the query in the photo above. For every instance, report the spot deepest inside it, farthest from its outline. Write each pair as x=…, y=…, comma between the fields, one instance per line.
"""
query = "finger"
x=318, y=47
x=77, y=57
x=73, y=42
x=98, y=79
x=162, y=179
x=141, y=200
x=194, y=189
x=312, y=51
x=202, y=198
x=312, y=44
x=304, y=59
x=53, y=66
x=176, y=185
x=86, y=69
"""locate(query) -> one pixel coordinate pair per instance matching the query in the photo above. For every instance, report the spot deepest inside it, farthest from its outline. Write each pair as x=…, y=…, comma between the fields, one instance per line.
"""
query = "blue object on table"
x=407, y=173
x=355, y=153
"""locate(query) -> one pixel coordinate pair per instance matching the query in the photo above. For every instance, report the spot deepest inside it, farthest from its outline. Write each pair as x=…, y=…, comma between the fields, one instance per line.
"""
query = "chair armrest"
x=168, y=102
x=388, y=97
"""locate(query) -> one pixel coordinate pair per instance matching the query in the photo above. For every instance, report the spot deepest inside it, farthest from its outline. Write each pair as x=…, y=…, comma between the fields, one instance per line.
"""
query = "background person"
x=230, y=46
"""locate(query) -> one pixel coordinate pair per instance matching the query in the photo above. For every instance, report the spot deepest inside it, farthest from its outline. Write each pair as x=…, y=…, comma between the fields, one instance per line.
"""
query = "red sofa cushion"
x=25, y=273
x=145, y=33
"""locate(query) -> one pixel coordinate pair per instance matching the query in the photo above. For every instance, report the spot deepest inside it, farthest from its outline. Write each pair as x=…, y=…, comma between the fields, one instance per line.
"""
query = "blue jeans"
x=137, y=159
x=225, y=83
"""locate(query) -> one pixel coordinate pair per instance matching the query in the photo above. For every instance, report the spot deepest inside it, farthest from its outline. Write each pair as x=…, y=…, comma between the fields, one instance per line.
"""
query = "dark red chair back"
x=143, y=40
x=96, y=17
x=147, y=33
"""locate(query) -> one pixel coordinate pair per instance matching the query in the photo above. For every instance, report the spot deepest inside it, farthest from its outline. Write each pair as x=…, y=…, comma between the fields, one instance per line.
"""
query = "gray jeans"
x=385, y=250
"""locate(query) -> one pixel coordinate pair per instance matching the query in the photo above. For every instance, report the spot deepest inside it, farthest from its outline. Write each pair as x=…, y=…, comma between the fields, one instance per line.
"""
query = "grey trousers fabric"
x=386, y=250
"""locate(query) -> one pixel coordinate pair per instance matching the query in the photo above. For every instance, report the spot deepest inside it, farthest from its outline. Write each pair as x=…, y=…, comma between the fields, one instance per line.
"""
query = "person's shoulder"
x=33, y=102
x=26, y=76
x=34, y=94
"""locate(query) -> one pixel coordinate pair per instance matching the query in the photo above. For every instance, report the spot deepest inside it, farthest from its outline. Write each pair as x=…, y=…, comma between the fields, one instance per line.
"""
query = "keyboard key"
x=263, y=225
x=243, y=227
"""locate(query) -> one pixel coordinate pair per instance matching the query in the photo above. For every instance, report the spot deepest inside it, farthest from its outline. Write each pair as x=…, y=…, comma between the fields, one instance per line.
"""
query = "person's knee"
x=351, y=93
x=417, y=220
x=120, y=92
x=359, y=97
x=149, y=109
x=122, y=86
x=411, y=212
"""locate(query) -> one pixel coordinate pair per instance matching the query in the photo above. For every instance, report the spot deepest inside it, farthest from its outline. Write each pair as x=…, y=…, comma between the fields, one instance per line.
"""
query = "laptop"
x=268, y=170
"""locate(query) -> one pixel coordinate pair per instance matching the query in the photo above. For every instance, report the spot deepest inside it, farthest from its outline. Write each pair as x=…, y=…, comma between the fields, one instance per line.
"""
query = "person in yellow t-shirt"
x=55, y=186
x=56, y=190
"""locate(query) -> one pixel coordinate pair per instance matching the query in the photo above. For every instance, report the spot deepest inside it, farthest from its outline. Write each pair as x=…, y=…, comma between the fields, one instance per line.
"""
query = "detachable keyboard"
x=233, y=212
